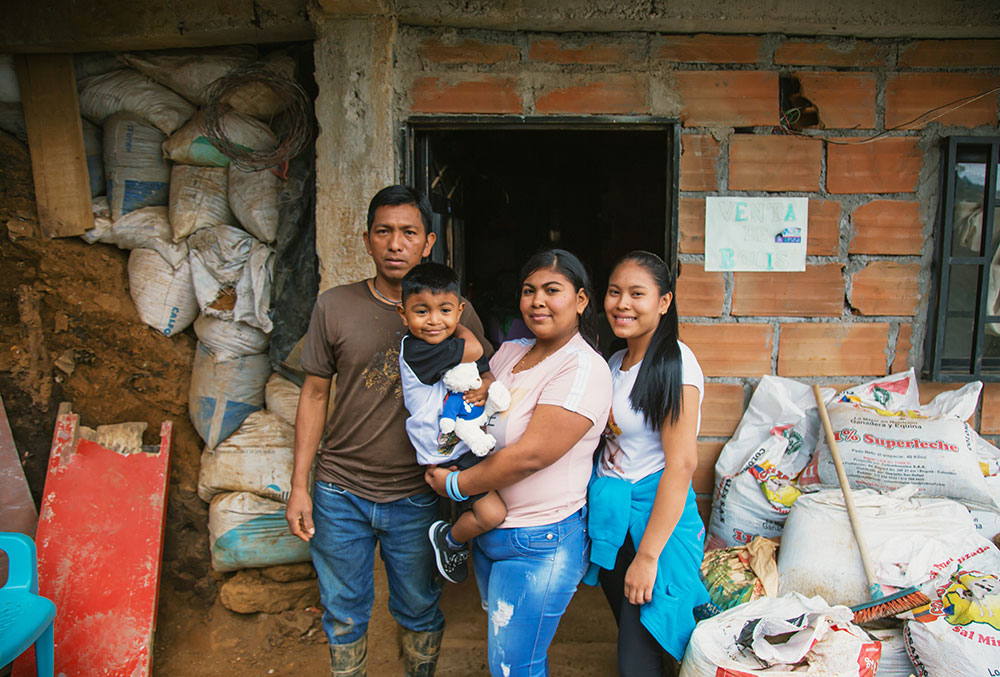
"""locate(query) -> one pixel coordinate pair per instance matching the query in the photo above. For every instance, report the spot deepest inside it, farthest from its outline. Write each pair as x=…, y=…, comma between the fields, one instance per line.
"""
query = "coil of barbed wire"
x=292, y=126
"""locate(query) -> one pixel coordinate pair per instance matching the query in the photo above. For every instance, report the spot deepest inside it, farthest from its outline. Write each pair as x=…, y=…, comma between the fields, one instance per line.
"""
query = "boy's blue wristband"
x=451, y=485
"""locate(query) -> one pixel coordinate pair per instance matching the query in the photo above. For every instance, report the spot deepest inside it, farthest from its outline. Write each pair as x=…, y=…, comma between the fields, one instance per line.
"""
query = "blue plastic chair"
x=25, y=617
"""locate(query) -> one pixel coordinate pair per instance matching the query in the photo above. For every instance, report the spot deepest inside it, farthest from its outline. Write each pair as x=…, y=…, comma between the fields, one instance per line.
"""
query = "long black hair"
x=657, y=389
x=570, y=267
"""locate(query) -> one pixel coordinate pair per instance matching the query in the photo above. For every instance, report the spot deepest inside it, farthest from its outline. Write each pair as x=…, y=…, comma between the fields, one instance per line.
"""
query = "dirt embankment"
x=69, y=332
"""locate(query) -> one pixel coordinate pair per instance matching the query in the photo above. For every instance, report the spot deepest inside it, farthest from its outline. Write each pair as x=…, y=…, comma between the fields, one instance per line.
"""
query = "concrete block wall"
x=858, y=310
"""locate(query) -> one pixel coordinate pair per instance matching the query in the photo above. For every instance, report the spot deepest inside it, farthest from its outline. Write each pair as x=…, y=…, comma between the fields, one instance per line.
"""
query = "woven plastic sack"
x=958, y=633
x=163, y=296
x=198, y=199
x=253, y=197
x=895, y=662
x=189, y=145
x=137, y=175
x=885, y=447
x=146, y=228
x=93, y=149
x=905, y=535
x=189, y=71
x=258, y=99
x=223, y=394
x=786, y=636
x=10, y=91
x=282, y=397
x=258, y=458
x=757, y=470
x=229, y=340
x=129, y=91
x=248, y=531
x=232, y=273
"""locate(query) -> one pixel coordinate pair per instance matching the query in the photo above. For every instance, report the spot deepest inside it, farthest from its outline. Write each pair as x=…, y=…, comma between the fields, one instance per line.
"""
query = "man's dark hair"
x=436, y=278
x=391, y=196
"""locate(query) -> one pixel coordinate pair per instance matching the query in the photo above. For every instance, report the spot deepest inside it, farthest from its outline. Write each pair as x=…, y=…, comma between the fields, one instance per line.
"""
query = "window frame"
x=938, y=367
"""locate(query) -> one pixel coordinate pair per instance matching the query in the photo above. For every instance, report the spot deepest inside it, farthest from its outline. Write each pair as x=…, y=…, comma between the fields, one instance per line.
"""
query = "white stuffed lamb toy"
x=465, y=420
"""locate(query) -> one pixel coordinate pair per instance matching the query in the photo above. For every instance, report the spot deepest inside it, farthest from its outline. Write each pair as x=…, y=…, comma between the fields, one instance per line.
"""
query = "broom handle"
x=846, y=489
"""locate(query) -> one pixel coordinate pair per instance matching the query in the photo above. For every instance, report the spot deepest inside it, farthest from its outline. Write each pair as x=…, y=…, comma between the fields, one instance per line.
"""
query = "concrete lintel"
x=89, y=26
x=355, y=149
x=857, y=18
x=355, y=8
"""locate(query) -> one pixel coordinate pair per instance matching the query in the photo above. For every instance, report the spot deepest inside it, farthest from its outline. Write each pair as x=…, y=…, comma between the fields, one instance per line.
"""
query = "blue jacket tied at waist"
x=617, y=507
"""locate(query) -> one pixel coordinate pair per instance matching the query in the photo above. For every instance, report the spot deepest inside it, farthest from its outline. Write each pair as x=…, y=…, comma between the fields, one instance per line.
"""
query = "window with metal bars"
x=963, y=333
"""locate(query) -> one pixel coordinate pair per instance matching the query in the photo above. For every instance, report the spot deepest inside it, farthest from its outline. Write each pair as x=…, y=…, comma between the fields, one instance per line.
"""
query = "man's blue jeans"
x=526, y=578
x=343, y=552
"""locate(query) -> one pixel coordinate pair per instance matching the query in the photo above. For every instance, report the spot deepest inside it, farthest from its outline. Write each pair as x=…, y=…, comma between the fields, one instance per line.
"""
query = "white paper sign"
x=756, y=233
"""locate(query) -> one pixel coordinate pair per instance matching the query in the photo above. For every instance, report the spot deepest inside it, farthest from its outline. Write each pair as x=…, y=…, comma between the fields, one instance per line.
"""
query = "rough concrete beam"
x=355, y=151
x=92, y=25
x=859, y=18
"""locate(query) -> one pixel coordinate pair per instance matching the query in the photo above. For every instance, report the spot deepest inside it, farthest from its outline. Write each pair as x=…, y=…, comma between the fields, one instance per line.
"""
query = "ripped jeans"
x=343, y=552
x=526, y=577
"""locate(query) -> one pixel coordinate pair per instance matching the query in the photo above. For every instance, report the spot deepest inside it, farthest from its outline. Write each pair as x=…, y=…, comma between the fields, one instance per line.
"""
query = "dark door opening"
x=501, y=192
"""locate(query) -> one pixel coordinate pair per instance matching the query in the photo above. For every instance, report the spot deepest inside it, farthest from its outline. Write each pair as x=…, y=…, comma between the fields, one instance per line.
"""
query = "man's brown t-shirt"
x=365, y=448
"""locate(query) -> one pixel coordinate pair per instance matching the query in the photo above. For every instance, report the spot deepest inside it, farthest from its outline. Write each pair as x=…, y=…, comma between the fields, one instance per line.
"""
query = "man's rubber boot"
x=349, y=660
x=420, y=651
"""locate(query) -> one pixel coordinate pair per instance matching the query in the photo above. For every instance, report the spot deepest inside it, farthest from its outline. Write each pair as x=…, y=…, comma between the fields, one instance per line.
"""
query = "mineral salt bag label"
x=884, y=450
x=958, y=633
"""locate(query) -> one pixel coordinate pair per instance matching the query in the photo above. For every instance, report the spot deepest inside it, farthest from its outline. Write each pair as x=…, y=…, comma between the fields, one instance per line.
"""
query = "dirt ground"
x=69, y=332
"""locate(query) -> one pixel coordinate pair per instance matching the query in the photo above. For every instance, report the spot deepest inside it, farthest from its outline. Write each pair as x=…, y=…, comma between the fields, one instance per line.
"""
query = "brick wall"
x=859, y=308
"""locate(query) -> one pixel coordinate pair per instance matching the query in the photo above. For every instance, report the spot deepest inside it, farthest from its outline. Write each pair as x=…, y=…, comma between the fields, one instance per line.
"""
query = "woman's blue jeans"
x=343, y=552
x=526, y=578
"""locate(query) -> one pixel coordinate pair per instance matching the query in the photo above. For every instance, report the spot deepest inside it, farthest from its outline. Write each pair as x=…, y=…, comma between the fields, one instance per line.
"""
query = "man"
x=368, y=487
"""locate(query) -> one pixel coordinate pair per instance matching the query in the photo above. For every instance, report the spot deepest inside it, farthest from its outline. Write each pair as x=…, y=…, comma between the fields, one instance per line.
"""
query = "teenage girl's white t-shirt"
x=634, y=450
x=575, y=378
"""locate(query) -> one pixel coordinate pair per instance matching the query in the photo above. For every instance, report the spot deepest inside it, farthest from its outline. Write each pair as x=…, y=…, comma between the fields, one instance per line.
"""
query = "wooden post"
x=55, y=139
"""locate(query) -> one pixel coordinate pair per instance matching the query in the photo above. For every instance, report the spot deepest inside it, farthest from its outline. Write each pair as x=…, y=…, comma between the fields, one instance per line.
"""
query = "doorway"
x=503, y=189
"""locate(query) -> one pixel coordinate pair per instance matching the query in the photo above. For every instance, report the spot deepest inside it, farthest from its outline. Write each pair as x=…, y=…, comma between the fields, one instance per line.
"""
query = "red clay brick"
x=699, y=293
x=777, y=163
x=824, y=228
x=592, y=53
x=843, y=100
x=736, y=98
x=730, y=349
x=833, y=349
x=699, y=156
x=950, y=54
x=721, y=409
x=885, y=166
x=707, y=48
x=467, y=51
x=886, y=288
x=904, y=341
x=817, y=292
x=989, y=422
x=479, y=94
x=615, y=94
x=857, y=54
x=910, y=95
x=887, y=227
x=703, y=481
x=691, y=224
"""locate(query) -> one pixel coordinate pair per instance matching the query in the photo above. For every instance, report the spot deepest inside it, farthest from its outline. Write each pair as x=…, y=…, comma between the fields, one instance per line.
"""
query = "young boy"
x=434, y=343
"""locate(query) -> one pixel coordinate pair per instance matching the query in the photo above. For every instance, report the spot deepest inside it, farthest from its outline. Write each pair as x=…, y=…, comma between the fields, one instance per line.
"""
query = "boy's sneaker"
x=453, y=564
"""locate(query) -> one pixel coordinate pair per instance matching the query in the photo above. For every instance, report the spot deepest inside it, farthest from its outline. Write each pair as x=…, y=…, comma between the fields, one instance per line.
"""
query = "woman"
x=529, y=567
x=649, y=555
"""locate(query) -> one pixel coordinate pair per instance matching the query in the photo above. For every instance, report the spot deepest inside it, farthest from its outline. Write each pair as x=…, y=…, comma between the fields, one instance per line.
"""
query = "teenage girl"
x=648, y=557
